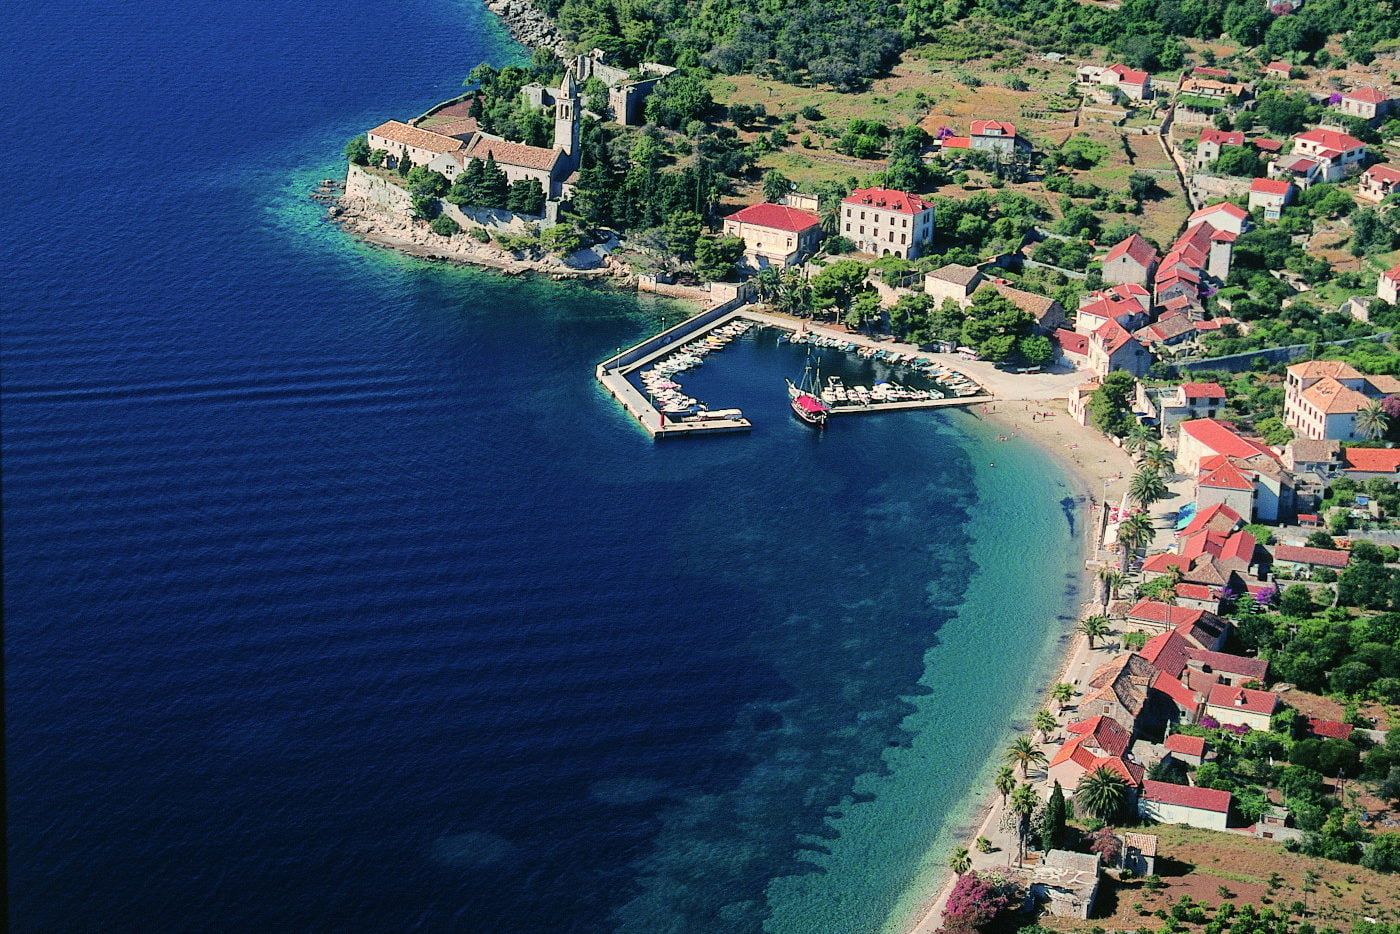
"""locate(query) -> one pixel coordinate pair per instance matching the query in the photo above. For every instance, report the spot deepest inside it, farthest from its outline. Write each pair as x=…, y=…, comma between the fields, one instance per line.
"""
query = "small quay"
x=662, y=407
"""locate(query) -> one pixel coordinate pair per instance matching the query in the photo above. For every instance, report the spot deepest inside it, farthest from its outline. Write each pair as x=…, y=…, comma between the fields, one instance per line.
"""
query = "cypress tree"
x=1052, y=822
x=494, y=185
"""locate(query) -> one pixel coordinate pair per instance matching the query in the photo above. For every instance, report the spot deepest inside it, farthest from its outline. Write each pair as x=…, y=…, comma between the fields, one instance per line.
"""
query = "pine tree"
x=526, y=197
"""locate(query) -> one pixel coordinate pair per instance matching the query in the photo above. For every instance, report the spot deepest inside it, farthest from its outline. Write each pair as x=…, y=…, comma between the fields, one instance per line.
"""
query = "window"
x=903, y=238
x=862, y=215
x=906, y=223
x=848, y=227
x=862, y=228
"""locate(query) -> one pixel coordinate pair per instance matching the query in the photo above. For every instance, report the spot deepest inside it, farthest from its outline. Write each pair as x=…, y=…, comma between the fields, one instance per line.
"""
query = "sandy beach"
x=1094, y=464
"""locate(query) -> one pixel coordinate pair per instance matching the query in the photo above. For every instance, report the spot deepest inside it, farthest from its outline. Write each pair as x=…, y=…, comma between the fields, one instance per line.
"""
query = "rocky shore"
x=527, y=25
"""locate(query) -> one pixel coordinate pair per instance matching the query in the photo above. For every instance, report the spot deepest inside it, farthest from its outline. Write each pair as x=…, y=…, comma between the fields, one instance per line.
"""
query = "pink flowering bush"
x=974, y=902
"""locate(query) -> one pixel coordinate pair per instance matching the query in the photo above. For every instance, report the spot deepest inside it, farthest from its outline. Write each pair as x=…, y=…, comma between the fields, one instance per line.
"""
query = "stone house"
x=421, y=146
x=1049, y=314
x=885, y=222
x=1126, y=303
x=1302, y=560
x=953, y=283
x=1190, y=401
x=1139, y=854
x=1378, y=183
x=1211, y=142
x=1367, y=103
x=1132, y=260
x=774, y=234
x=1066, y=882
x=1388, y=285
x=1237, y=706
x=993, y=136
x=1111, y=347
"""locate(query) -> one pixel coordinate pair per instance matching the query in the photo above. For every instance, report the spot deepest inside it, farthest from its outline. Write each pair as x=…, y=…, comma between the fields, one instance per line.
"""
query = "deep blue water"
x=338, y=596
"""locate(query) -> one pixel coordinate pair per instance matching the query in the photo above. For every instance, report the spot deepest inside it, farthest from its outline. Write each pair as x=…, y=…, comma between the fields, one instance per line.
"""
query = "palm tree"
x=1146, y=487
x=1371, y=419
x=1159, y=459
x=1138, y=439
x=1006, y=781
x=1063, y=694
x=1093, y=627
x=960, y=861
x=1024, y=801
x=1134, y=533
x=1045, y=722
x=1101, y=793
x=1024, y=753
x=1112, y=580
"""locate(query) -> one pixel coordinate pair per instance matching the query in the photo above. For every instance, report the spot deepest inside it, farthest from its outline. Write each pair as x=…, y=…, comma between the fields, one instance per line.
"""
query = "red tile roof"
x=776, y=217
x=1203, y=390
x=1330, y=139
x=1264, y=144
x=1238, y=698
x=957, y=142
x=1105, y=732
x=1164, y=613
x=1186, y=745
x=1136, y=249
x=1113, y=336
x=888, y=199
x=1222, y=438
x=1181, y=695
x=1238, y=546
x=1210, y=72
x=1302, y=554
x=1196, y=592
x=1209, y=516
x=1271, y=186
x=1127, y=75
x=1331, y=729
x=1366, y=95
x=1224, y=207
x=418, y=138
x=1280, y=66
x=1161, y=564
x=1167, y=652
x=1223, y=137
x=1187, y=796
x=993, y=128
x=1383, y=173
x=1372, y=460
x=504, y=152
x=1393, y=273
x=1255, y=669
x=1071, y=341
x=1225, y=476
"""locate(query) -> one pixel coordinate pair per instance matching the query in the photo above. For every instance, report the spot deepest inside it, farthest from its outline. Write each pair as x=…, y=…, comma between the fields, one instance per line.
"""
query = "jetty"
x=614, y=372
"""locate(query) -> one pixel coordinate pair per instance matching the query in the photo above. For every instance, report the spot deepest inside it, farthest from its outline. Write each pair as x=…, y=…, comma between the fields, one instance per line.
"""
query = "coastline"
x=1088, y=460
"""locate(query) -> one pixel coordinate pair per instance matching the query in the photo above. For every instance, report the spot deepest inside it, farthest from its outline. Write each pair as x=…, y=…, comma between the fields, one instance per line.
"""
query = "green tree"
x=1093, y=627
x=1022, y=805
x=776, y=185
x=1005, y=782
x=1146, y=487
x=1025, y=754
x=1141, y=186
x=495, y=186
x=682, y=230
x=837, y=284
x=357, y=150
x=1371, y=419
x=715, y=257
x=1320, y=538
x=525, y=196
x=1110, y=406
x=1134, y=534
x=959, y=860
x=1101, y=794
x=678, y=100
x=1063, y=693
x=425, y=181
x=1052, y=822
x=444, y=226
x=1044, y=724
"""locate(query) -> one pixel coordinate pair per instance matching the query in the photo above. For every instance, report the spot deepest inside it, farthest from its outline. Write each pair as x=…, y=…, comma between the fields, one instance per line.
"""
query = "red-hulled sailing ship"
x=806, y=404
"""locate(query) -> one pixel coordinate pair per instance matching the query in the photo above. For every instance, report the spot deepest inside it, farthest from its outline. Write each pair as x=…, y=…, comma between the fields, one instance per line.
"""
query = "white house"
x=1321, y=398
x=1237, y=706
x=774, y=234
x=1184, y=804
x=1270, y=195
x=1388, y=285
x=1320, y=155
x=886, y=222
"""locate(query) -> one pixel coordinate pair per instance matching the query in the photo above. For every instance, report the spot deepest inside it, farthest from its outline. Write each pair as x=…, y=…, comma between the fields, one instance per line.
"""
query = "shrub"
x=444, y=226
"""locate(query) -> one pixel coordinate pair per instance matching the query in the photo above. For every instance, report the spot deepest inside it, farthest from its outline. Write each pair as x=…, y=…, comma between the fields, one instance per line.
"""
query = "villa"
x=994, y=136
x=1134, y=85
x=1320, y=155
x=774, y=234
x=1204, y=437
x=1237, y=706
x=1323, y=397
x=1191, y=401
x=885, y=222
x=1111, y=347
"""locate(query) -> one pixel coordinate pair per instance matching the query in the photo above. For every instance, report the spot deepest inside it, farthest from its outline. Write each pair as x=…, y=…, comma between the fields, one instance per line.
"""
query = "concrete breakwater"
x=527, y=25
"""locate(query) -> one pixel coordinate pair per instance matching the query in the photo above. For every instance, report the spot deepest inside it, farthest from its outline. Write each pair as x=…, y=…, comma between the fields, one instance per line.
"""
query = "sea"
x=339, y=597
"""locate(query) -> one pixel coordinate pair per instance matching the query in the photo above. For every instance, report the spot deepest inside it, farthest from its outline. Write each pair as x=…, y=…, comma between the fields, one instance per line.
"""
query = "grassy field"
x=1216, y=867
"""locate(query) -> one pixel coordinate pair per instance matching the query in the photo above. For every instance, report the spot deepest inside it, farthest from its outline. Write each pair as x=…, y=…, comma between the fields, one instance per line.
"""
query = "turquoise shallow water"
x=339, y=596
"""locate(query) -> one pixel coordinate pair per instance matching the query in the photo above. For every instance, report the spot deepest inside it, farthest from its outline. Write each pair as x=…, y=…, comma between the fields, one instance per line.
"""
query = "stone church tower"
x=566, y=116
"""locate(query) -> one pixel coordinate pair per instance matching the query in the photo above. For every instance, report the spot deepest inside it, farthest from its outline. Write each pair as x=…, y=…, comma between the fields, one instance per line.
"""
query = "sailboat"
x=804, y=399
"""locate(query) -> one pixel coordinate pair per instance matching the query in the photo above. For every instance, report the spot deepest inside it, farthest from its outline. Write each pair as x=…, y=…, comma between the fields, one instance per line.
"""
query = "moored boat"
x=803, y=398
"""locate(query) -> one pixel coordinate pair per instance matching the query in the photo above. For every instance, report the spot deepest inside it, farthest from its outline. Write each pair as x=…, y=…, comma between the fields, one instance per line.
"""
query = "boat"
x=803, y=398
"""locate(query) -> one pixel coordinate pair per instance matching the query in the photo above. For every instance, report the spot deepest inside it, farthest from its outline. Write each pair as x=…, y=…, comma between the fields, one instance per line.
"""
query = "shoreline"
x=1087, y=464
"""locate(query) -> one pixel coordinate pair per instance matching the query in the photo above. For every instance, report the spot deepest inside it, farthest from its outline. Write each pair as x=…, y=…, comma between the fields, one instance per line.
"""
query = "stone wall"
x=389, y=199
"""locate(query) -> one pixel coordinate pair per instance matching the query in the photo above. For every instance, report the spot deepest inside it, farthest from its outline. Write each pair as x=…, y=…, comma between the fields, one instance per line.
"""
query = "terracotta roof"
x=1181, y=695
x=1144, y=843
x=1264, y=144
x=1226, y=476
x=1366, y=95
x=417, y=138
x=1186, y=745
x=1256, y=669
x=1210, y=72
x=460, y=129
x=1216, y=516
x=1164, y=613
x=1135, y=248
x=1238, y=698
x=776, y=217
x=1038, y=306
x=1168, y=652
x=1195, y=592
x=1372, y=460
x=1224, y=207
x=1331, y=729
x=517, y=154
x=1271, y=186
x=957, y=273
x=1187, y=796
x=993, y=127
x=1393, y=273
x=1317, y=369
x=1167, y=328
x=1164, y=562
x=888, y=199
x=1207, y=630
x=1113, y=336
x=1203, y=390
x=957, y=142
x=1331, y=397
x=1127, y=75
x=1223, y=137
x=1222, y=438
x=1383, y=173
x=1104, y=732
x=1071, y=341
x=1330, y=139
x=1233, y=546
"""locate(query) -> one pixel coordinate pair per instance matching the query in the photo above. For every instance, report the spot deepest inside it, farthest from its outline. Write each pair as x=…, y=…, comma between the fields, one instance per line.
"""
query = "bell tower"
x=566, y=116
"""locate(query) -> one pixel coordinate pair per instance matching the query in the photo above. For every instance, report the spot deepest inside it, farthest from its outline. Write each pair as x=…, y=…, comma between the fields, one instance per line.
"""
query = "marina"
x=660, y=403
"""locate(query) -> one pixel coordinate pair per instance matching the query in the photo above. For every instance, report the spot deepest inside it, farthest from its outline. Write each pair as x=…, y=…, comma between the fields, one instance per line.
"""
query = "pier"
x=613, y=373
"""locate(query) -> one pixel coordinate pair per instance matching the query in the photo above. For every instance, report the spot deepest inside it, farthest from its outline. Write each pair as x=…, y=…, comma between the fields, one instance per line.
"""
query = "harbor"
x=662, y=406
